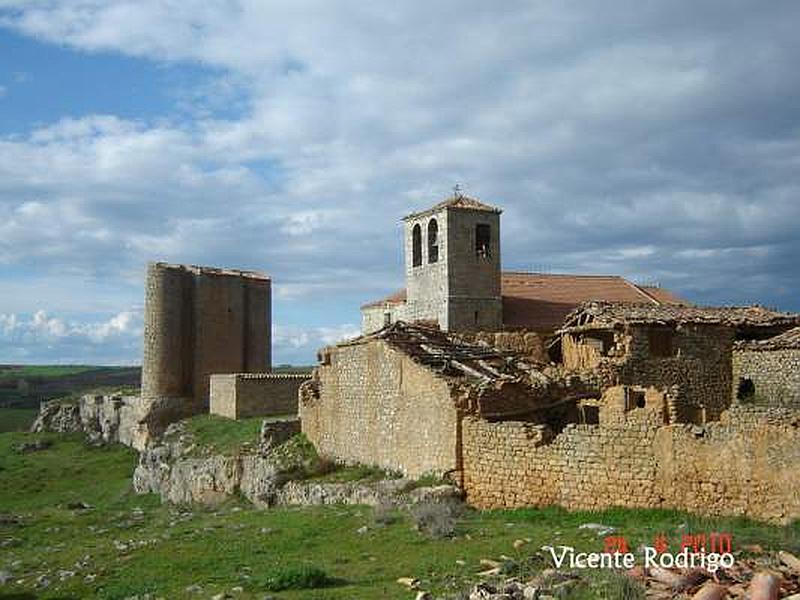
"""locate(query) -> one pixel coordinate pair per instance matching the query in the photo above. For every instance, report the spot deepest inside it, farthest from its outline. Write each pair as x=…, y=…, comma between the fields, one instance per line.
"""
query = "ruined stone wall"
x=774, y=373
x=373, y=318
x=699, y=367
x=245, y=395
x=200, y=321
x=746, y=464
x=375, y=406
x=527, y=344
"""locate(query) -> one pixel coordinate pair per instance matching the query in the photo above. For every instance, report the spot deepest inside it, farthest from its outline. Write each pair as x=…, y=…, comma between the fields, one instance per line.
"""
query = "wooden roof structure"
x=607, y=315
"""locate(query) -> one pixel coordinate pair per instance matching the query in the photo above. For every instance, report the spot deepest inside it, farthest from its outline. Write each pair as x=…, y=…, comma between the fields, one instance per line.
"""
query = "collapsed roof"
x=788, y=340
x=606, y=315
x=492, y=382
x=448, y=354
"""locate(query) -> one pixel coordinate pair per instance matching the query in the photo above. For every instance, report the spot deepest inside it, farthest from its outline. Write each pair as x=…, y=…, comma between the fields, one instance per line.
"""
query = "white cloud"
x=297, y=345
x=628, y=140
x=41, y=326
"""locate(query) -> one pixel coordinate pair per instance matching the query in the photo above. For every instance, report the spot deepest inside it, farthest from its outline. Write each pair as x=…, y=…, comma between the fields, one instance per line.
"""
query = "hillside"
x=72, y=528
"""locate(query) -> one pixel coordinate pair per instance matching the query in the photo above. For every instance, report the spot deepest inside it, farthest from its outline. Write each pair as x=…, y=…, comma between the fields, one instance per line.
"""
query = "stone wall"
x=699, y=367
x=244, y=395
x=199, y=321
x=775, y=374
x=373, y=318
x=427, y=283
x=373, y=405
x=527, y=344
x=746, y=464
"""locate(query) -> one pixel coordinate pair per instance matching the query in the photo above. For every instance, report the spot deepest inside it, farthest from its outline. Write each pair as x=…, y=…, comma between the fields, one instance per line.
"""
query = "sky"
x=658, y=140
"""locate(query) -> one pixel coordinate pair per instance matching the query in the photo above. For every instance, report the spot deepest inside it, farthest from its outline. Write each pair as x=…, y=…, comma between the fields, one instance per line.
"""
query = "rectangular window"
x=387, y=319
x=634, y=399
x=661, y=343
x=483, y=241
x=590, y=415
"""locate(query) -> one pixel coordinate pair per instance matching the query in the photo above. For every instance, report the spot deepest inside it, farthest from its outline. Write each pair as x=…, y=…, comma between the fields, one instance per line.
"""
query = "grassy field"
x=16, y=419
x=123, y=544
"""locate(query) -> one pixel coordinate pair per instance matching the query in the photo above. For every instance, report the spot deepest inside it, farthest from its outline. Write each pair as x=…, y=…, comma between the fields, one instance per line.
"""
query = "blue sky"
x=659, y=140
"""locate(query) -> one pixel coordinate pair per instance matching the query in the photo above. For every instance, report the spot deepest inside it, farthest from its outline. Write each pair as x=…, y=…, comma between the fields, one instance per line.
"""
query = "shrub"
x=384, y=513
x=436, y=519
x=298, y=578
x=324, y=465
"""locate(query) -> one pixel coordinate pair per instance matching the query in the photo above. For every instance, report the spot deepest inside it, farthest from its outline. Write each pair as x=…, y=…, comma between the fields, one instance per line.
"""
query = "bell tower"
x=453, y=265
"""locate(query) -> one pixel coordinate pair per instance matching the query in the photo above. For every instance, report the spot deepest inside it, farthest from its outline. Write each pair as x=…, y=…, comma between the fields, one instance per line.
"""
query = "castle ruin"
x=199, y=321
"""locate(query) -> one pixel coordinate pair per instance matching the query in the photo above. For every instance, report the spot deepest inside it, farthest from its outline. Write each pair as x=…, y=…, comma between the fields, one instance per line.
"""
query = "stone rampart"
x=244, y=395
x=374, y=405
x=747, y=464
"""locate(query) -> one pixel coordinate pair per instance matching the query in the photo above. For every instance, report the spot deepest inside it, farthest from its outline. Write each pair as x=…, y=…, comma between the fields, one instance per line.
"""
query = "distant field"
x=17, y=372
x=25, y=386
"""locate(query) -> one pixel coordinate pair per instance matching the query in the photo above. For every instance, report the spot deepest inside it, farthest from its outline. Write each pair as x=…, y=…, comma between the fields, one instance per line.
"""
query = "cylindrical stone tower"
x=168, y=337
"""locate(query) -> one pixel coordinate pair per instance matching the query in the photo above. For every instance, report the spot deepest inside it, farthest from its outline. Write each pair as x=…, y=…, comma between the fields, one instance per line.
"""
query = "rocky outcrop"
x=59, y=417
x=398, y=492
x=267, y=474
x=175, y=470
x=130, y=420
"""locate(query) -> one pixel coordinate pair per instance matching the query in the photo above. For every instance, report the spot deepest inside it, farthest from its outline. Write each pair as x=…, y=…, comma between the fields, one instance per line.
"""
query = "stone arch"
x=416, y=246
x=433, y=241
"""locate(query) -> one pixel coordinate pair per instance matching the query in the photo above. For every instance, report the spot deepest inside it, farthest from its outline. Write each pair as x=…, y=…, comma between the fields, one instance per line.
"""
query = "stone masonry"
x=688, y=349
x=768, y=370
x=379, y=407
x=199, y=321
x=745, y=464
x=452, y=264
x=244, y=395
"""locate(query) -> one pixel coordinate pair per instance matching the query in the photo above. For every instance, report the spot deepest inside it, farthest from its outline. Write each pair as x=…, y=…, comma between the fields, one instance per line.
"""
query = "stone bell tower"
x=452, y=255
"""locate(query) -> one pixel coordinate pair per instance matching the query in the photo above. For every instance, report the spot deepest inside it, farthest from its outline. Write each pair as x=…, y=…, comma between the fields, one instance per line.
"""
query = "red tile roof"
x=456, y=201
x=398, y=297
x=541, y=301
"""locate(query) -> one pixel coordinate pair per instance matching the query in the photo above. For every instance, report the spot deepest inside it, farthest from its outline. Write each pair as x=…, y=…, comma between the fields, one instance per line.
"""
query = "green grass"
x=16, y=419
x=136, y=545
x=212, y=433
x=298, y=578
x=349, y=473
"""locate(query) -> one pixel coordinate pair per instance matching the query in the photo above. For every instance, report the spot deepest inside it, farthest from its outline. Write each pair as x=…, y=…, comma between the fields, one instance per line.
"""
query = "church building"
x=454, y=279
